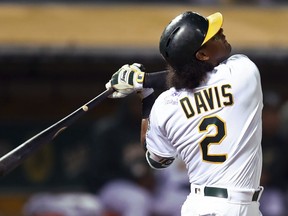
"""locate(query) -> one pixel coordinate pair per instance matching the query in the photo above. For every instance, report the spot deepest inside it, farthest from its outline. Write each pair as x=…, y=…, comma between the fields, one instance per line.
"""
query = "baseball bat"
x=15, y=157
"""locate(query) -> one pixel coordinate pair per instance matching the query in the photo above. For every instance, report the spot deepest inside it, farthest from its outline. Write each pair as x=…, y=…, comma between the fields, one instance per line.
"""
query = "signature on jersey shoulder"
x=172, y=99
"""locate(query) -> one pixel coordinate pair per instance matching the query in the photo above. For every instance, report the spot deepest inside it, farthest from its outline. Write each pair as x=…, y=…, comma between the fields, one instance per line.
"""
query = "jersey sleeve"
x=156, y=138
x=243, y=67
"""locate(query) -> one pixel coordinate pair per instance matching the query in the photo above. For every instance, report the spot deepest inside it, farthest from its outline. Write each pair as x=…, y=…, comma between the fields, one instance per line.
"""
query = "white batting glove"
x=128, y=79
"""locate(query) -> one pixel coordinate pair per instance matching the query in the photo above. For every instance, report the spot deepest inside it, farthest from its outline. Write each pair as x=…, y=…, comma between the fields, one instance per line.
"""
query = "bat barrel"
x=12, y=159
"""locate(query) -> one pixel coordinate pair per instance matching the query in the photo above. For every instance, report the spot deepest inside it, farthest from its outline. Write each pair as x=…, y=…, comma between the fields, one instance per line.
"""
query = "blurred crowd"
x=120, y=183
x=201, y=2
x=275, y=150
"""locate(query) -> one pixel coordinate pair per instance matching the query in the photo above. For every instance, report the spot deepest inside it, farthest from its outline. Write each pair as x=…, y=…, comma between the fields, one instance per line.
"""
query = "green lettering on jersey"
x=187, y=107
x=200, y=104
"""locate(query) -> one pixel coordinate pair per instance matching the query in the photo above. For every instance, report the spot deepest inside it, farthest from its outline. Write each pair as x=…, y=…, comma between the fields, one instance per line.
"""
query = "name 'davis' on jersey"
x=207, y=100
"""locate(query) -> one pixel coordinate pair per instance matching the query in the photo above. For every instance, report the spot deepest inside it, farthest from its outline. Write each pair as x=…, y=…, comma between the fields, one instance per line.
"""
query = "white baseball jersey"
x=215, y=128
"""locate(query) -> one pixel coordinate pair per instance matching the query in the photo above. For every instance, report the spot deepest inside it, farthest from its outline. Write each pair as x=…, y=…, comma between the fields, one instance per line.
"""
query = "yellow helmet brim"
x=215, y=22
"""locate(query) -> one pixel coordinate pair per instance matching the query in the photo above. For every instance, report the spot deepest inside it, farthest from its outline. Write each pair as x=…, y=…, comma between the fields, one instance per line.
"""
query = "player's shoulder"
x=239, y=59
x=241, y=68
x=241, y=62
x=166, y=105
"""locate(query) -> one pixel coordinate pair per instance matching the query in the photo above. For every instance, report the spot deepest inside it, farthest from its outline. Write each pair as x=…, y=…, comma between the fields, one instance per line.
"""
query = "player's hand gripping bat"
x=15, y=157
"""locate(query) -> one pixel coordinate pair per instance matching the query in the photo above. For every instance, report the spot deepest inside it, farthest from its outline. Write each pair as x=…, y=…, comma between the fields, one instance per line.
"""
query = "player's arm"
x=132, y=78
x=155, y=161
x=156, y=80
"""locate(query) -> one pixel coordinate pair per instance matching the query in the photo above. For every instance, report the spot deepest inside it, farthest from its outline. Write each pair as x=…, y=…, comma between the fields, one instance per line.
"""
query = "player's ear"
x=202, y=55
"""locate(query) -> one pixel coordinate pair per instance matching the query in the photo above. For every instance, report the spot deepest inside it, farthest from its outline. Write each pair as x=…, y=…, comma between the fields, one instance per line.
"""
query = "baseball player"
x=210, y=116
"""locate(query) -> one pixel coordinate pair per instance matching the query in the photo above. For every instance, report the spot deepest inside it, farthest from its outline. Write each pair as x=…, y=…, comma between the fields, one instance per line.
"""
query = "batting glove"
x=128, y=79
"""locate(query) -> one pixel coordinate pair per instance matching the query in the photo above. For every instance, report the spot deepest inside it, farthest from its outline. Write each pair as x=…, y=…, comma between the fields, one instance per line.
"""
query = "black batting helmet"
x=185, y=34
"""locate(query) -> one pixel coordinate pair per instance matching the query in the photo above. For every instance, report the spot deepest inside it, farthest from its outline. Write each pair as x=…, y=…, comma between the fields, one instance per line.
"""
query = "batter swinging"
x=210, y=116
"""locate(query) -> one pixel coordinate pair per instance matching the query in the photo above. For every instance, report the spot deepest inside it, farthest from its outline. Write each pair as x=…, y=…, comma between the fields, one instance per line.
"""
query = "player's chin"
x=227, y=46
x=227, y=50
x=226, y=53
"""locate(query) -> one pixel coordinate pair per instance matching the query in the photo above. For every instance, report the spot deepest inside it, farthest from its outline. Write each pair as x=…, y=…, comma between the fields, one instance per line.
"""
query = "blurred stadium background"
x=57, y=55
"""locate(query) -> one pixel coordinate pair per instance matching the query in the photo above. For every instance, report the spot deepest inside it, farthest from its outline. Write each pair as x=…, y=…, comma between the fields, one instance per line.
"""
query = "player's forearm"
x=156, y=80
x=147, y=104
x=144, y=127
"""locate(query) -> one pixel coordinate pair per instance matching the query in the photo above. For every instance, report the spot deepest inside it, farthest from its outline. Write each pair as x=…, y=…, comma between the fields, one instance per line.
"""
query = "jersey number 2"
x=215, y=139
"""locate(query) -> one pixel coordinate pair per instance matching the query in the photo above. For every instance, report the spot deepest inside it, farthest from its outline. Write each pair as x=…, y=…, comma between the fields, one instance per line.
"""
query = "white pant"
x=200, y=205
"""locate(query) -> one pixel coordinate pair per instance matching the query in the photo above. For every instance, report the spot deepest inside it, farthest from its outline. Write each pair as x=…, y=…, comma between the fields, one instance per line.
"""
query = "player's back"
x=216, y=128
